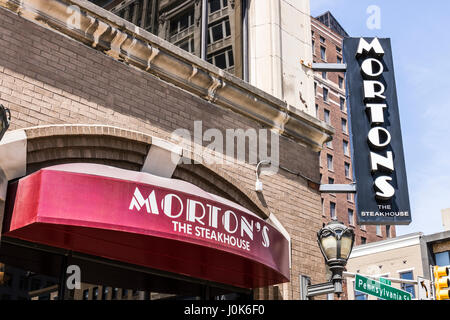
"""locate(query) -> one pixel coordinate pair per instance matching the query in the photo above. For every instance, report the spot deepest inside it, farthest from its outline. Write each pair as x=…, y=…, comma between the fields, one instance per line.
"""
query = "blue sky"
x=419, y=32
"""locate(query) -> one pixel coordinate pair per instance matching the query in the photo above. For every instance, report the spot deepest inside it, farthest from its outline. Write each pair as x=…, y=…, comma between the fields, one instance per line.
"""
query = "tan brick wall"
x=46, y=78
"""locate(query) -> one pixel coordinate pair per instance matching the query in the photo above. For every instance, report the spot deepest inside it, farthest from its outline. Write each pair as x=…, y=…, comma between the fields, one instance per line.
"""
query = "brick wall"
x=47, y=78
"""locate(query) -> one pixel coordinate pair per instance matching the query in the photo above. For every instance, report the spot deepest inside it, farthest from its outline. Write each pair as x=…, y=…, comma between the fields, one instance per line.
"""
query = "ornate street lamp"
x=336, y=243
x=5, y=120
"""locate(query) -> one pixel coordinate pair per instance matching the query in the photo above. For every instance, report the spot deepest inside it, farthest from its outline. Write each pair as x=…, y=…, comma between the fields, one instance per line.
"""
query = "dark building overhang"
x=331, y=22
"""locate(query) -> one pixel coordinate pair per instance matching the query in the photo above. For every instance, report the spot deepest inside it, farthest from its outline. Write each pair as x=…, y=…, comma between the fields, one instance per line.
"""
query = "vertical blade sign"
x=378, y=158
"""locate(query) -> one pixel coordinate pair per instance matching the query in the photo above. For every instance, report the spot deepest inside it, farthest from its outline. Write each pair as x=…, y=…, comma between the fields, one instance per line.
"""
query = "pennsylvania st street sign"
x=379, y=290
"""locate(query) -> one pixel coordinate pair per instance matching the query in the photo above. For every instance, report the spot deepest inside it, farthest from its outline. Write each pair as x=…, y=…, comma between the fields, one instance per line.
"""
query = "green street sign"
x=385, y=281
x=379, y=290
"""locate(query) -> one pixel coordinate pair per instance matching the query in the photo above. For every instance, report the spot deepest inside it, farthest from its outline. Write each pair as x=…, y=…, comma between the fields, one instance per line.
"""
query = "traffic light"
x=441, y=282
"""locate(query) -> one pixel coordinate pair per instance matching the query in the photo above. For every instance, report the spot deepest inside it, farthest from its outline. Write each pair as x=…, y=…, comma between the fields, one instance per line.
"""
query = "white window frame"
x=352, y=222
x=333, y=215
x=221, y=7
x=227, y=58
x=191, y=21
x=224, y=31
x=346, y=149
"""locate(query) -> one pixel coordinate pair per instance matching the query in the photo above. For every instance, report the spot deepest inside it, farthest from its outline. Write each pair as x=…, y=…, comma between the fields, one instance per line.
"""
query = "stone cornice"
x=122, y=40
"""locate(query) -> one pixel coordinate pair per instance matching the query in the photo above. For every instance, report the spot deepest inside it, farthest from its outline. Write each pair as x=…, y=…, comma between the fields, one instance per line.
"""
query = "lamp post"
x=335, y=242
x=5, y=120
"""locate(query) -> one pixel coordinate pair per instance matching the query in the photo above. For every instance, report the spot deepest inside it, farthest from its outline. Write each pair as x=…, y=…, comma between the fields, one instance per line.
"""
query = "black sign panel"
x=378, y=159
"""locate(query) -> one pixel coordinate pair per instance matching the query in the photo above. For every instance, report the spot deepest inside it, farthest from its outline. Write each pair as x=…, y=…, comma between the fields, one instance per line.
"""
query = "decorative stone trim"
x=126, y=42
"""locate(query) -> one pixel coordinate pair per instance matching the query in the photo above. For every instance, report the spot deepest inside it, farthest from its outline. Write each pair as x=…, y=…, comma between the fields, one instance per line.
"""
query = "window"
x=313, y=44
x=351, y=219
x=317, y=110
x=181, y=22
x=388, y=231
x=338, y=49
x=330, y=181
x=332, y=210
x=363, y=240
x=222, y=59
x=323, y=209
x=86, y=294
x=341, y=82
x=349, y=197
x=344, y=126
x=315, y=89
x=323, y=54
x=114, y=293
x=342, y=104
x=325, y=94
x=408, y=287
x=442, y=258
x=124, y=293
x=216, y=5
x=105, y=291
x=347, y=169
x=219, y=31
x=324, y=74
x=187, y=45
x=322, y=39
x=378, y=230
x=330, y=162
x=326, y=116
x=95, y=293
x=338, y=59
x=345, y=147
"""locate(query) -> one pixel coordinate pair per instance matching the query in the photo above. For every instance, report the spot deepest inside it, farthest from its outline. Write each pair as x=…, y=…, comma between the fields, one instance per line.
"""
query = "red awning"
x=146, y=220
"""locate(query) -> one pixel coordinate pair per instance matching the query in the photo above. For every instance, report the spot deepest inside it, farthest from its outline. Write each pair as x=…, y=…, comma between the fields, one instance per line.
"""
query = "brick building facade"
x=105, y=92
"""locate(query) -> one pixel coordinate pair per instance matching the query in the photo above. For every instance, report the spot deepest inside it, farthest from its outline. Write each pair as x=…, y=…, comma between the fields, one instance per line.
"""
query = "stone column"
x=279, y=39
x=197, y=27
x=163, y=27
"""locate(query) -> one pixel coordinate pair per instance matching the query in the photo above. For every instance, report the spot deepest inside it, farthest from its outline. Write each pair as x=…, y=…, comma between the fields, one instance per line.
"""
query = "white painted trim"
x=405, y=270
x=386, y=245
